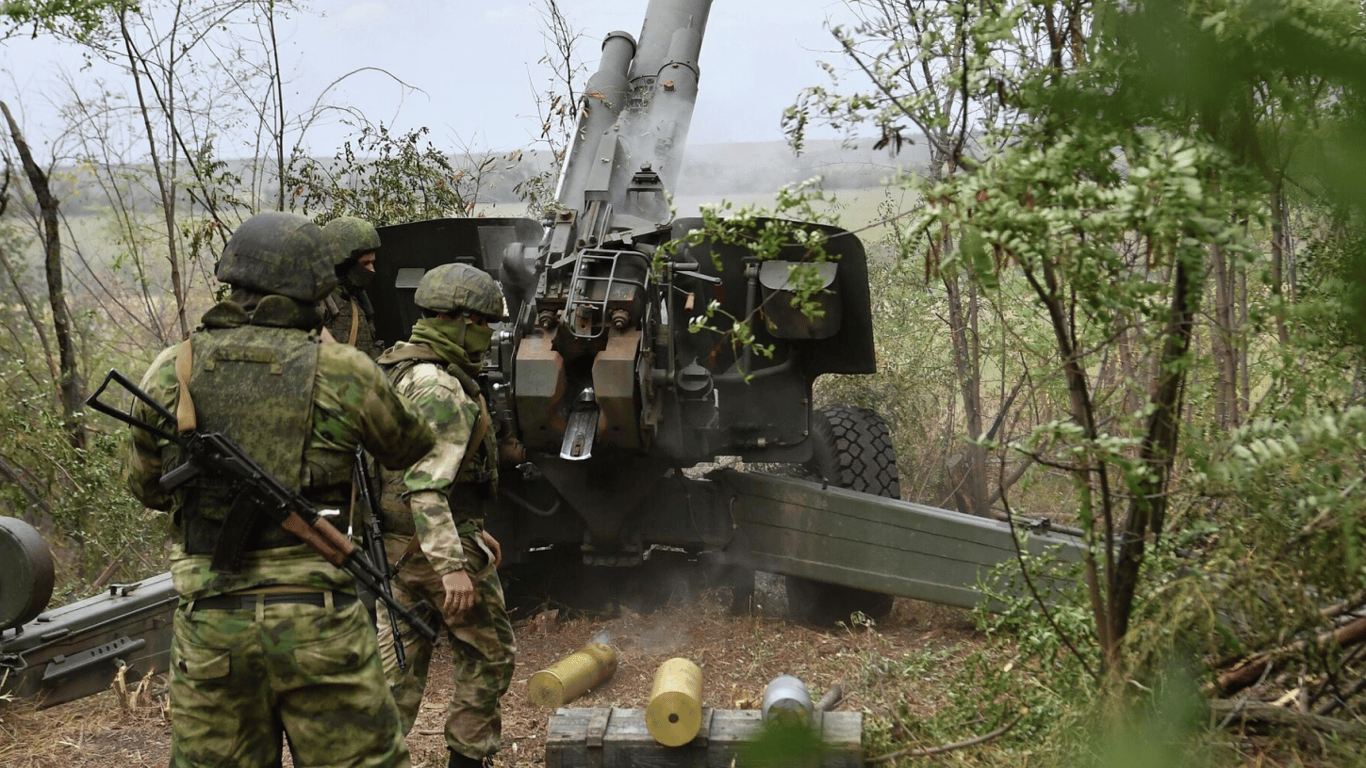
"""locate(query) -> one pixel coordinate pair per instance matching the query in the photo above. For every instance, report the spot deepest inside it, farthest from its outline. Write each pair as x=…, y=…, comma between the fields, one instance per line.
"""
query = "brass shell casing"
x=572, y=676
x=674, y=714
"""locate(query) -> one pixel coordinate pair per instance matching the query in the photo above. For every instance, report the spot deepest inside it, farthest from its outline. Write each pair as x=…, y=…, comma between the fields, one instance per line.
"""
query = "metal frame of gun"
x=374, y=544
x=217, y=452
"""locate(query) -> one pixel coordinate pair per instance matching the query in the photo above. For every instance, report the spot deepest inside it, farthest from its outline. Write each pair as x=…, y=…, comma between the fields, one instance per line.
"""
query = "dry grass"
x=738, y=655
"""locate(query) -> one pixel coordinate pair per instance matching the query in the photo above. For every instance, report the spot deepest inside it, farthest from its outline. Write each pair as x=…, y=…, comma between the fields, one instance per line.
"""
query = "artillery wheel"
x=853, y=450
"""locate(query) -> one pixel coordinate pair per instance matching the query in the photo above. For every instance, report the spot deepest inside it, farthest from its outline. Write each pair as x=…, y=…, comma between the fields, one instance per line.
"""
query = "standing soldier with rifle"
x=268, y=636
x=434, y=514
x=348, y=317
x=349, y=313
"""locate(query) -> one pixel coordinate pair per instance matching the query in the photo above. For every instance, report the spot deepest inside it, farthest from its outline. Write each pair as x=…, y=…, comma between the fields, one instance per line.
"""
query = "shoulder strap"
x=476, y=437
x=355, y=323
x=184, y=408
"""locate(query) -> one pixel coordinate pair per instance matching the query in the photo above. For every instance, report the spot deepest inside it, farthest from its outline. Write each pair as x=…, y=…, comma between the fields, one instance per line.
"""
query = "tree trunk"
x=970, y=473
x=1225, y=349
x=69, y=381
x=1090, y=477
x=1148, y=507
x=164, y=184
x=1280, y=234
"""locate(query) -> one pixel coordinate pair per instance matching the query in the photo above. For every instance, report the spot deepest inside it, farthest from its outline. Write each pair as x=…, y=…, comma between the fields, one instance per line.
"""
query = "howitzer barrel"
x=604, y=97
x=637, y=110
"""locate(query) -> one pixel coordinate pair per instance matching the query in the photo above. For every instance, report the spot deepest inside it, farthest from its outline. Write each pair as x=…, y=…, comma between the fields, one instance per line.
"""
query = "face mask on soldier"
x=477, y=340
x=360, y=276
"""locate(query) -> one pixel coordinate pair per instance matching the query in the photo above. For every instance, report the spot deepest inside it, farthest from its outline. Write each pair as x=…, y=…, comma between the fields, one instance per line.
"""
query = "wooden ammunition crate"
x=617, y=738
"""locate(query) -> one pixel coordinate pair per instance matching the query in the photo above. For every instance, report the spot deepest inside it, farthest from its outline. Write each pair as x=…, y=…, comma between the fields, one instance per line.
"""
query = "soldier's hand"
x=459, y=593
x=494, y=547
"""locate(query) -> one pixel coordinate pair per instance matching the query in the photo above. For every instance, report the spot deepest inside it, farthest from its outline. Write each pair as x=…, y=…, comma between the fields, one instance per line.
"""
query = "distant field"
x=860, y=210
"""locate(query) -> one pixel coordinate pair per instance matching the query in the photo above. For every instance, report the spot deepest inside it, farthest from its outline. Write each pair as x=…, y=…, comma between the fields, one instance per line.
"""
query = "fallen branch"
x=1249, y=712
x=1346, y=606
x=1252, y=670
x=984, y=738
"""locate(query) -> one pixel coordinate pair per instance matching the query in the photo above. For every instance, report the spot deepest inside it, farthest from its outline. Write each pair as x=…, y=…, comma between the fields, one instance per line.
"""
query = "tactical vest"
x=254, y=384
x=352, y=321
x=476, y=483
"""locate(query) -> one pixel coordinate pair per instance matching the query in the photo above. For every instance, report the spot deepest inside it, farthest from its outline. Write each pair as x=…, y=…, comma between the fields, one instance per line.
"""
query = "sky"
x=475, y=71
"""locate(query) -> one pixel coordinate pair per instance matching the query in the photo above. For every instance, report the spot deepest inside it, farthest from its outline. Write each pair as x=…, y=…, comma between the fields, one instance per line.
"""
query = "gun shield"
x=674, y=714
x=572, y=676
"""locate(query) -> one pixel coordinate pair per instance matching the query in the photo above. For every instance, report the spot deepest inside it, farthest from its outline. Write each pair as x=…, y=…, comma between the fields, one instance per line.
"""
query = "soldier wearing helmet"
x=433, y=515
x=349, y=315
x=279, y=645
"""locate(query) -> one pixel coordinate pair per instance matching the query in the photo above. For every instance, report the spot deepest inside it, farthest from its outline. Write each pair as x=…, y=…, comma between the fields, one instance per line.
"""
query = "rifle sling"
x=355, y=323
x=186, y=421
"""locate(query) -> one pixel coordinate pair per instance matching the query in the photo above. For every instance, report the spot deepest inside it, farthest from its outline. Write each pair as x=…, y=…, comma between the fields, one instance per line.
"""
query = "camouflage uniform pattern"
x=482, y=640
x=349, y=237
x=237, y=680
x=279, y=253
x=241, y=677
x=342, y=308
x=353, y=404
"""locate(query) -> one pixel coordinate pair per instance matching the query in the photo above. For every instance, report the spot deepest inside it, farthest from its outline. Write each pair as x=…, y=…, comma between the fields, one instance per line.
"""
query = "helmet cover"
x=279, y=253
x=456, y=287
x=350, y=236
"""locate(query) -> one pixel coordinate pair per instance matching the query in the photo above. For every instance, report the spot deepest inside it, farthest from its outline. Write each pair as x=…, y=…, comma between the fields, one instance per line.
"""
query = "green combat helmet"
x=456, y=287
x=350, y=237
x=279, y=253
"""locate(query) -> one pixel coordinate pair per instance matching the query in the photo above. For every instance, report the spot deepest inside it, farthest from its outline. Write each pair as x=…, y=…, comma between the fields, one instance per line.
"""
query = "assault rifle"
x=216, y=453
x=374, y=544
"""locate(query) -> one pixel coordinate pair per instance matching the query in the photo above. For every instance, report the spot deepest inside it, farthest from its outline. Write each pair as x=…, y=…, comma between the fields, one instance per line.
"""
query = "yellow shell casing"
x=572, y=676
x=674, y=714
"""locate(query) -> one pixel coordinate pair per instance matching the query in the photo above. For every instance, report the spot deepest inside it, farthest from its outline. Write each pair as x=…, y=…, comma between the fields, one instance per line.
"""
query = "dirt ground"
x=738, y=656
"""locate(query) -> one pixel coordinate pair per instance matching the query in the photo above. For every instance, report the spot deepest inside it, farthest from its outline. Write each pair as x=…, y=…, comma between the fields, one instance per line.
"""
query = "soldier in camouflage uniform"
x=349, y=315
x=439, y=505
x=280, y=645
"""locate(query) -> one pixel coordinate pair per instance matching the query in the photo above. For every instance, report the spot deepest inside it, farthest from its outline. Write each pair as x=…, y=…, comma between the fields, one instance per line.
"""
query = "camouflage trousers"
x=241, y=679
x=482, y=645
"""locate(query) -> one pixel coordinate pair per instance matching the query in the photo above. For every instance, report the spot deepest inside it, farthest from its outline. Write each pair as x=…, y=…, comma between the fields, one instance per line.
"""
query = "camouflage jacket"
x=426, y=487
x=353, y=405
x=343, y=313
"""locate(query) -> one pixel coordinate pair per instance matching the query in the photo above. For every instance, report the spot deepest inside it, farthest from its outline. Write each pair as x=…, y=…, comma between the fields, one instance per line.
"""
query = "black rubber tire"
x=853, y=450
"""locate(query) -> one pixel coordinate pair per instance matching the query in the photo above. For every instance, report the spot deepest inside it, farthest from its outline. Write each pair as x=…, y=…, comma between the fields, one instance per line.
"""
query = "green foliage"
x=783, y=745
x=914, y=377
x=1100, y=170
x=77, y=19
x=1331, y=311
x=384, y=179
x=1296, y=489
x=76, y=496
x=781, y=233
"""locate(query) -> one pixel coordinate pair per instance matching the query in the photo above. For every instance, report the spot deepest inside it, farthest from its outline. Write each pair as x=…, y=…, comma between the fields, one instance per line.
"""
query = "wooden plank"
x=618, y=738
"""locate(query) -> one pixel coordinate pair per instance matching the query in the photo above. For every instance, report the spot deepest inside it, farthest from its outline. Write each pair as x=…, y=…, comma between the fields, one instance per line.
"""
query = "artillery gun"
x=606, y=402
x=601, y=393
